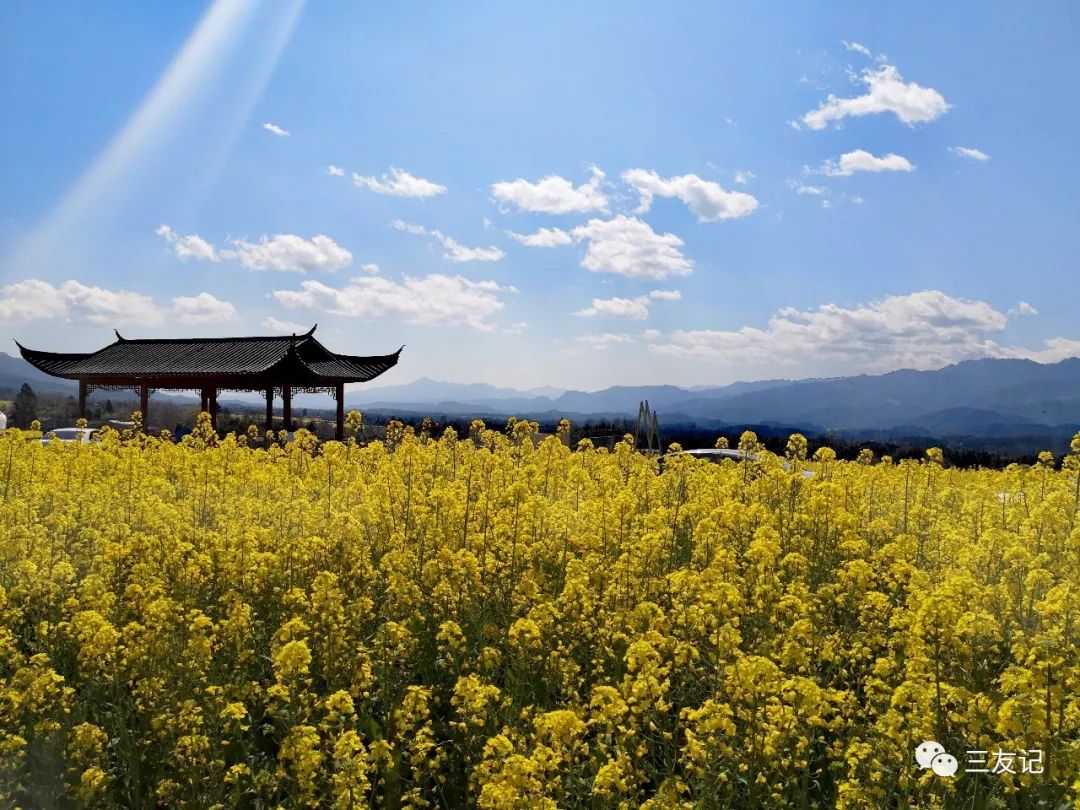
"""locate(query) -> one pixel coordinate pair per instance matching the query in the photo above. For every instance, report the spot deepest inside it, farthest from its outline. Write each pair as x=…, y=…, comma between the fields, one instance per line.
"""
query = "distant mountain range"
x=985, y=398
x=989, y=398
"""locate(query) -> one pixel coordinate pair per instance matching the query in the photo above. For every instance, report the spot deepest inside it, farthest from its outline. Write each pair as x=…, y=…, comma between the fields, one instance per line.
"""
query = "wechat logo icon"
x=933, y=756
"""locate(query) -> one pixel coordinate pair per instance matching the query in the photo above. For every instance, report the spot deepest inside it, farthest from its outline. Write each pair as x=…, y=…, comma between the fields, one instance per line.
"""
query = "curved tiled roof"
x=289, y=358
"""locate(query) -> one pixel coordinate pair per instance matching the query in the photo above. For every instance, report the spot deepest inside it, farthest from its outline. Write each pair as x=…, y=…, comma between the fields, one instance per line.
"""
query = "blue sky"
x=714, y=192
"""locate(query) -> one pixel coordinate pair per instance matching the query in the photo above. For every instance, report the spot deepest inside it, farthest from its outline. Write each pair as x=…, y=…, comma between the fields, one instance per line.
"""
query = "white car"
x=718, y=454
x=70, y=434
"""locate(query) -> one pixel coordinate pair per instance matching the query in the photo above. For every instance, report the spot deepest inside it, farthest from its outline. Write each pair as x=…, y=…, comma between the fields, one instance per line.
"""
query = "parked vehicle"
x=71, y=434
x=718, y=454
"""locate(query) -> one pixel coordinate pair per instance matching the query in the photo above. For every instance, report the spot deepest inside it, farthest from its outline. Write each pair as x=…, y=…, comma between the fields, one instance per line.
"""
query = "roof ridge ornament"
x=119, y=336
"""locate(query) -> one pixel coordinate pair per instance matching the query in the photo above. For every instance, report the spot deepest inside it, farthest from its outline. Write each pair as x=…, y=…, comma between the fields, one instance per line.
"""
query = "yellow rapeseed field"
x=489, y=621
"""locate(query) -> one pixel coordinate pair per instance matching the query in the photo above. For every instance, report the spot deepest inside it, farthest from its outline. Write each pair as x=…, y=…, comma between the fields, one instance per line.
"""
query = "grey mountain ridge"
x=974, y=397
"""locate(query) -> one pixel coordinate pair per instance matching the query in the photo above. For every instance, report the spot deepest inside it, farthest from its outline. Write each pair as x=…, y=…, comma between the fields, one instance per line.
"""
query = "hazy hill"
x=990, y=398
x=1005, y=391
x=14, y=371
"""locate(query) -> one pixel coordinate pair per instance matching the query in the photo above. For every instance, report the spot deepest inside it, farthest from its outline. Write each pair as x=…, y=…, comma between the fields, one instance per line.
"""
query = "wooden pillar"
x=286, y=407
x=82, y=399
x=203, y=397
x=340, y=433
x=212, y=394
x=144, y=405
x=269, y=408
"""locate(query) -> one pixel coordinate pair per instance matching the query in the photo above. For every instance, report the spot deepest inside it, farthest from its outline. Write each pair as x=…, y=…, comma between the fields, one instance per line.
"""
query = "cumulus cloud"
x=1054, y=351
x=202, y=308
x=665, y=295
x=600, y=342
x=706, y=199
x=286, y=252
x=633, y=308
x=85, y=305
x=970, y=152
x=455, y=251
x=886, y=92
x=553, y=194
x=370, y=267
x=545, y=237
x=926, y=329
x=274, y=129
x=335, y=171
x=187, y=247
x=289, y=253
x=742, y=178
x=399, y=183
x=857, y=48
x=627, y=246
x=1021, y=310
x=431, y=299
x=862, y=161
x=284, y=327
x=802, y=188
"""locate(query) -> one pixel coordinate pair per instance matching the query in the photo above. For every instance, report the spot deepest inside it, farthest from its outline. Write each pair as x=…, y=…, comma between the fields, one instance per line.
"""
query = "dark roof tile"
x=297, y=359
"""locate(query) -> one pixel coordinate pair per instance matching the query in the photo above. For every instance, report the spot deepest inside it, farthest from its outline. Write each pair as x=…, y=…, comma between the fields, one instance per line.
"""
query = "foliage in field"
x=485, y=621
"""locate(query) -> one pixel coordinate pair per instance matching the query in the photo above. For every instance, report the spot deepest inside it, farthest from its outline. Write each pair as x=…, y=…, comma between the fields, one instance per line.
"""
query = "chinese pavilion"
x=274, y=365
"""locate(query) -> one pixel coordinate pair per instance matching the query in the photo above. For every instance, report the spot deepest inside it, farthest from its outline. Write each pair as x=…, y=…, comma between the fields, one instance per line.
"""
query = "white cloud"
x=925, y=329
x=970, y=152
x=399, y=183
x=742, y=178
x=516, y=328
x=650, y=334
x=600, y=342
x=286, y=252
x=455, y=251
x=187, y=247
x=370, y=267
x=553, y=194
x=665, y=295
x=634, y=308
x=289, y=253
x=202, y=308
x=284, y=327
x=101, y=307
x=30, y=300
x=826, y=204
x=857, y=48
x=545, y=237
x=335, y=171
x=857, y=200
x=1022, y=309
x=862, y=161
x=629, y=247
x=274, y=129
x=706, y=199
x=487, y=223
x=1055, y=350
x=431, y=299
x=81, y=304
x=803, y=188
x=908, y=101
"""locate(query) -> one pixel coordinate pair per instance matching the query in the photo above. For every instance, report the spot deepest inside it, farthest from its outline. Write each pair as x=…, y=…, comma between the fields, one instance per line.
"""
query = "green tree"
x=25, y=410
